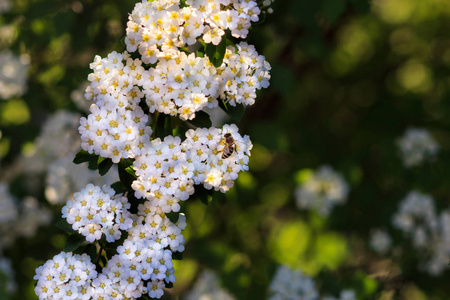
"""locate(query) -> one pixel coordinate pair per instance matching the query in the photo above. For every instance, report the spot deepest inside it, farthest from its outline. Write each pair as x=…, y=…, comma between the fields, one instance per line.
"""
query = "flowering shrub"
x=134, y=97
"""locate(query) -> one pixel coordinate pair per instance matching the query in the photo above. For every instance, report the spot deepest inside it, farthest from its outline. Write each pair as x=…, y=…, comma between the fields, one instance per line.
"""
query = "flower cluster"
x=416, y=216
x=13, y=73
x=168, y=77
x=177, y=83
x=416, y=146
x=164, y=24
x=143, y=263
x=291, y=284
x=322, y=191
x=66, y=276
x=168, y=170
x=182, y=84
x=430, y=232
x=95, y=211
x=144, y=260
x=208, y=287
x=116, y=127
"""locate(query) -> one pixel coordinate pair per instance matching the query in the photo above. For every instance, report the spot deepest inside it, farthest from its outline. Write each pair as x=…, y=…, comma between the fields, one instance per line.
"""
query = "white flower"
x=95, y=211
x=13, y=71
x=208, y=286
x=291, y=284
x=416, y=146
x=380, y=241
x=324, y=189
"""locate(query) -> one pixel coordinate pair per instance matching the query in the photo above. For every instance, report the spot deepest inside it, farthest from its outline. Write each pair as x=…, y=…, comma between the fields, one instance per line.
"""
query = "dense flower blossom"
x=13, y=73
x=165, y=175
x=127, y=89
x=416, y=146
x=66, y=276
x=166, y=25
x=322, y=191
x=95, y=211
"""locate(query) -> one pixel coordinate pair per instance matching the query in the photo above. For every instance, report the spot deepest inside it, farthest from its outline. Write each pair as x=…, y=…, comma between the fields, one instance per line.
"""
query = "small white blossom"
x=417, y=146
x=322, y=191
x=13, y=71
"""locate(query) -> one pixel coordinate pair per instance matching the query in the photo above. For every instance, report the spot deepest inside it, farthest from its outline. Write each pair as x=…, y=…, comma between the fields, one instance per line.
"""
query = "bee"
x=229, y=145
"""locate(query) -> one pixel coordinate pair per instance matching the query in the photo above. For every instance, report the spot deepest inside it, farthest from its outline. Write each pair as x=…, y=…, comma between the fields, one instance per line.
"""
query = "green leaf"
x=125, y=177
x=333, y=9
x=173, y=217
x=131, y=171
x=91, y=250
x=119, y=187
x=93, y=165
x=217, y=53
x=235, y=112
x=103, y=261
x=100, y=159
x=161, y=125
x=201, y=120
x=168, y=129
x=83, y=156
x=104, y=166
x=177, y=255
x=64, y=226
x=73, y=242
x=203, y=194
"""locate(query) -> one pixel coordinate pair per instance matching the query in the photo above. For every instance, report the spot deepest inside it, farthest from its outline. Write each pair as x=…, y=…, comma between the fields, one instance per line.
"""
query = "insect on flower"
x=229, y=145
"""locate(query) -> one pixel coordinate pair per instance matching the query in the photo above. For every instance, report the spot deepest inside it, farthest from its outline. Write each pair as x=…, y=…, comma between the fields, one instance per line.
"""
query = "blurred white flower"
x=380, y=241
x=291, y=284
x=13, y=74
x=5, y=6
x=7, y=273
x=58, y=138
x=416, y=146
x=429, y=232
x=207, y=287
x=322, y=191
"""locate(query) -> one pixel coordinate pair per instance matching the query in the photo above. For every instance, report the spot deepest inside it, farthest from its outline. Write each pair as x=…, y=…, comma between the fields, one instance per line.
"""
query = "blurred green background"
x=348, y=77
